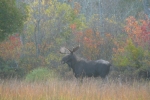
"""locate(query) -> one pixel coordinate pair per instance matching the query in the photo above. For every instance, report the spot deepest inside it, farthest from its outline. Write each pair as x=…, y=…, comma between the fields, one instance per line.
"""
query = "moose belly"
x=89, y=72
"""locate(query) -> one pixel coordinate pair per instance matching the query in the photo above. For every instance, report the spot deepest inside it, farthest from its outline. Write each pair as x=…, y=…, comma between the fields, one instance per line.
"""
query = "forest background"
x=32, y=32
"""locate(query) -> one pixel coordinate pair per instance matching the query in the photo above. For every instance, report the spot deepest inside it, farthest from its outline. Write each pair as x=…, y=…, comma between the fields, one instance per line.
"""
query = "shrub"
x=9, y=69
x=40, y=74
x=133, y=59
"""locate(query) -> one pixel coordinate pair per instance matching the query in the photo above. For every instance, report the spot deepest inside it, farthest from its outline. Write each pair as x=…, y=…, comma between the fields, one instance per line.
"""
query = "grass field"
x=90, y=89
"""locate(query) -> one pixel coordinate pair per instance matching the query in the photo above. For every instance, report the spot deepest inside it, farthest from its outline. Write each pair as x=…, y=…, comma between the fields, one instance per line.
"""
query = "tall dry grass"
x=89, y=89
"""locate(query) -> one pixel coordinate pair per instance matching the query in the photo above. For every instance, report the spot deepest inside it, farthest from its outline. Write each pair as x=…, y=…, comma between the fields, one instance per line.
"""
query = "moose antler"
x=76, y=48
x=64, y=50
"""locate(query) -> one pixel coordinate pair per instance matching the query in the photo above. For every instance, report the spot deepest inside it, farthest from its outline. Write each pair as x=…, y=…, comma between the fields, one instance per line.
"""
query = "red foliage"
x=138, y=30
x=10, y=49
x=15, y=40
x=90, y=41
x=73, y=26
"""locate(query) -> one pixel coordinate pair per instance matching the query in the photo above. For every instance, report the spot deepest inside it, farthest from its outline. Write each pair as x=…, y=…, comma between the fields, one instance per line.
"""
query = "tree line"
x=32, y=32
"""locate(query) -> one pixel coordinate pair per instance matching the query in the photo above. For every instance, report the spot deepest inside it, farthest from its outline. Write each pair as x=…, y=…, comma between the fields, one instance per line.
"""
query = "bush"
x=9, y=69
x=31, y=62
x=133, y=59
x=8, y=72
x=40, y=74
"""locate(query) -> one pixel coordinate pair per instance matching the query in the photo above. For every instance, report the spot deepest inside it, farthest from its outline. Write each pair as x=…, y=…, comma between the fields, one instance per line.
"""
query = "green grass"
x=40, y=74
x=90, y=89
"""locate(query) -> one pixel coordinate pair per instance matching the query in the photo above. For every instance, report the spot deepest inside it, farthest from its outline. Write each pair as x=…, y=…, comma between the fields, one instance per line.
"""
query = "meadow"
x=89, y=89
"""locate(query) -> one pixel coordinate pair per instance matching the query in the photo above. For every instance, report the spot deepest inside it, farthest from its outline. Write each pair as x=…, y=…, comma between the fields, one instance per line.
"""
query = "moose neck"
x=73, y=62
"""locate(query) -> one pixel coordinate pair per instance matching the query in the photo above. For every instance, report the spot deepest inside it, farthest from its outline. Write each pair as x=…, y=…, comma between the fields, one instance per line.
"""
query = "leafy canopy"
x=11, y=18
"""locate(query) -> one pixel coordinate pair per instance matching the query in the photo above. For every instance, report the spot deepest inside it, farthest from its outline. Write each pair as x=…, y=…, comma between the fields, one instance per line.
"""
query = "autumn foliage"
x=10, y=48
x=55, y=24
x=132, y=52
x=95, y=44
x=138, y=30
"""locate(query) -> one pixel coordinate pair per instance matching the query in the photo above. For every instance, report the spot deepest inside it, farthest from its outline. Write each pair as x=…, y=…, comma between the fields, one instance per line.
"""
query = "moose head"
x=70, y=57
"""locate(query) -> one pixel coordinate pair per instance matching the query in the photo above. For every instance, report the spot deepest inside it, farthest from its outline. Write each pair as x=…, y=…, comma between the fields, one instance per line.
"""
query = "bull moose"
x=82, y=67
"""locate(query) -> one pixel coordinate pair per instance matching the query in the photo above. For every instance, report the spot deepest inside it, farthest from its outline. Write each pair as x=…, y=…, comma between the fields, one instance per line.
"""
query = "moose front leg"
x=80, y=76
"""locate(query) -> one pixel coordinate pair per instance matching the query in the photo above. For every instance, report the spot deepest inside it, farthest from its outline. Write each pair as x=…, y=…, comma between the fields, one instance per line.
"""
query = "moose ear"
x=76, y=48
x=64, y=50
